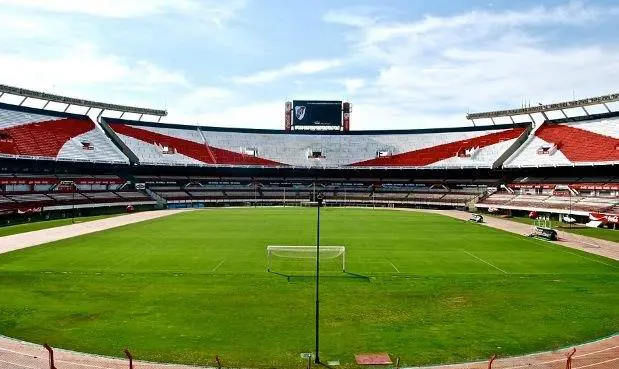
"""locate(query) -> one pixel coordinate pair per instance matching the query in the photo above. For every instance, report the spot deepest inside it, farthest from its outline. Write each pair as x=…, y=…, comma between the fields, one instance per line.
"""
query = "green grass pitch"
x=187, y=287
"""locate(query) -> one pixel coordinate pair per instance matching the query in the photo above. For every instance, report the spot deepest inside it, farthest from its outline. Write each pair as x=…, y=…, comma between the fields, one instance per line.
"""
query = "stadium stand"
x=187, y=190
x=37, y=134
x=509, y=166
x=581, y=197
x=32, y=193
x=565, y=143
x=180, y=145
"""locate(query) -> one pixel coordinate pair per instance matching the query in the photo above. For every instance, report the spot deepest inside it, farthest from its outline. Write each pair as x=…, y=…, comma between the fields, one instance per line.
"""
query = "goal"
x=303, y=254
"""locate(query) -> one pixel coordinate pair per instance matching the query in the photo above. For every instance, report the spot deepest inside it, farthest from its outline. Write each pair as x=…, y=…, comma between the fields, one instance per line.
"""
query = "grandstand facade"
x=54, y=161
x=168, y=144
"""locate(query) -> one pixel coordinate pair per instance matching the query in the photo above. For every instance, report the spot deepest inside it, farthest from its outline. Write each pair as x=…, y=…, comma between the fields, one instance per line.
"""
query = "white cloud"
x=348, y=19
x=573, y=13
x=259, y=114
x=430, y=72
x=105, y=8
x=84, y=66
x=17, y=27
x=433, y=70
x=425, y=72
x=353, y=84
x=203, y=94
x=128, y=8
x=41, y=51
x=197, y=100
x=302, y=68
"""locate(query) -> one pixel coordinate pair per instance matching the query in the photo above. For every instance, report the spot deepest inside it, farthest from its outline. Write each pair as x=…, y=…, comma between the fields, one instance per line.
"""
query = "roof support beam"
x=79, y=102
x=100, y=115
x=549, y=107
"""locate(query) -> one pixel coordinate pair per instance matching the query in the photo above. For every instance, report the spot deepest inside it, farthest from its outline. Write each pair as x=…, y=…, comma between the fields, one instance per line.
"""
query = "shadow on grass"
x=311, y=277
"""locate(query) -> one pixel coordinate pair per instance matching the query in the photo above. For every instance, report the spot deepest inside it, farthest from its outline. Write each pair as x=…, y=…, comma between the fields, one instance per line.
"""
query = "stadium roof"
x=26, y=94
x=600, y=100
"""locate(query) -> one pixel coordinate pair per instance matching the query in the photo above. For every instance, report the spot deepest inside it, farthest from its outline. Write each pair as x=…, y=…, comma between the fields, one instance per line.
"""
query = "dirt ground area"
x=35, y=238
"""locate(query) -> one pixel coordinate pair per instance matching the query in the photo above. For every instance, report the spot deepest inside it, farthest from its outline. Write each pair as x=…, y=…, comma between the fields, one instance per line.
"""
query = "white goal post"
x=305, y=252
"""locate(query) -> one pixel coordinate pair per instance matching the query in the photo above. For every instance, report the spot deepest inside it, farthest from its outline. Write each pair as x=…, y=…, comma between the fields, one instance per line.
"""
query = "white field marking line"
x=589, y=259
x=484, y=261
x=218, y=265
x=20, y=365
x=118, y=264
x=374, y=262
x=565, y=249
x=562, y=248
x=394, y=267
x=130, y=256
x=595, y=364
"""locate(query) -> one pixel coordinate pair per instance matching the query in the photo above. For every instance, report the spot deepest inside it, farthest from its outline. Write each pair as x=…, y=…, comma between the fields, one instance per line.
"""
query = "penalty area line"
x=394, y=267
x=485, y=262
x=218, y=265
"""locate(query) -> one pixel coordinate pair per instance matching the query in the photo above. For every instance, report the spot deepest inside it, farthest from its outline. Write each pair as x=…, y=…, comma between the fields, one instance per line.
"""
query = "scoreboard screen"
x=316, y=113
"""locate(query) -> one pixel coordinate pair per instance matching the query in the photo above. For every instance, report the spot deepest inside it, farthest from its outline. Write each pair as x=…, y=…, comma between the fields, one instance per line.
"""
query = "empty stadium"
x=413, y=278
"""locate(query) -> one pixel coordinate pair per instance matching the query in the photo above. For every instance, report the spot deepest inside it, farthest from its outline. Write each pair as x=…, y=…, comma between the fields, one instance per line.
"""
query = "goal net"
x=303, y=258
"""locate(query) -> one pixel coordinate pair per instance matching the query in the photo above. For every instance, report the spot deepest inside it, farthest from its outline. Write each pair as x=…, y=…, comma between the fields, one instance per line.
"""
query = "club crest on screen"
x=299, y=112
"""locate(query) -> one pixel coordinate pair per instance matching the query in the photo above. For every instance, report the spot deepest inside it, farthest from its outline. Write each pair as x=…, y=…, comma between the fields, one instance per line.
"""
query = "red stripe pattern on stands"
x=44, y=139
x=580, y=145
x=437, y=153
x=201, y=152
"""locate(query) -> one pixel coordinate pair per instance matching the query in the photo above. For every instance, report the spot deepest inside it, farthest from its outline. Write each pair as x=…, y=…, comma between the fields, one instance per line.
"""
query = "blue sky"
x=403, y=64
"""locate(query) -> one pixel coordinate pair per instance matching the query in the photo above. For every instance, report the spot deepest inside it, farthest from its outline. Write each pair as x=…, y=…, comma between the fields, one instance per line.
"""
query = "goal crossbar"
x=305, y=252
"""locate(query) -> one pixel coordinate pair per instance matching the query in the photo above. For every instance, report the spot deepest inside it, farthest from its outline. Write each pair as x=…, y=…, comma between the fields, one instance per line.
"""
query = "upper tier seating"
x=165, y=144
x=33, y=133
x=567, y=144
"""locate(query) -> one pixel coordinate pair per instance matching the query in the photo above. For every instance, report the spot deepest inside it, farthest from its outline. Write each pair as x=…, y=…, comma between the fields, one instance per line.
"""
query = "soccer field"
x=187, y=287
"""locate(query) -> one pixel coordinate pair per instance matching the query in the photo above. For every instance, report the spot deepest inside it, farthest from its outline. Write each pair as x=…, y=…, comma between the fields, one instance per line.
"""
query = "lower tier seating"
x=583, y=204
x=18, y=192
